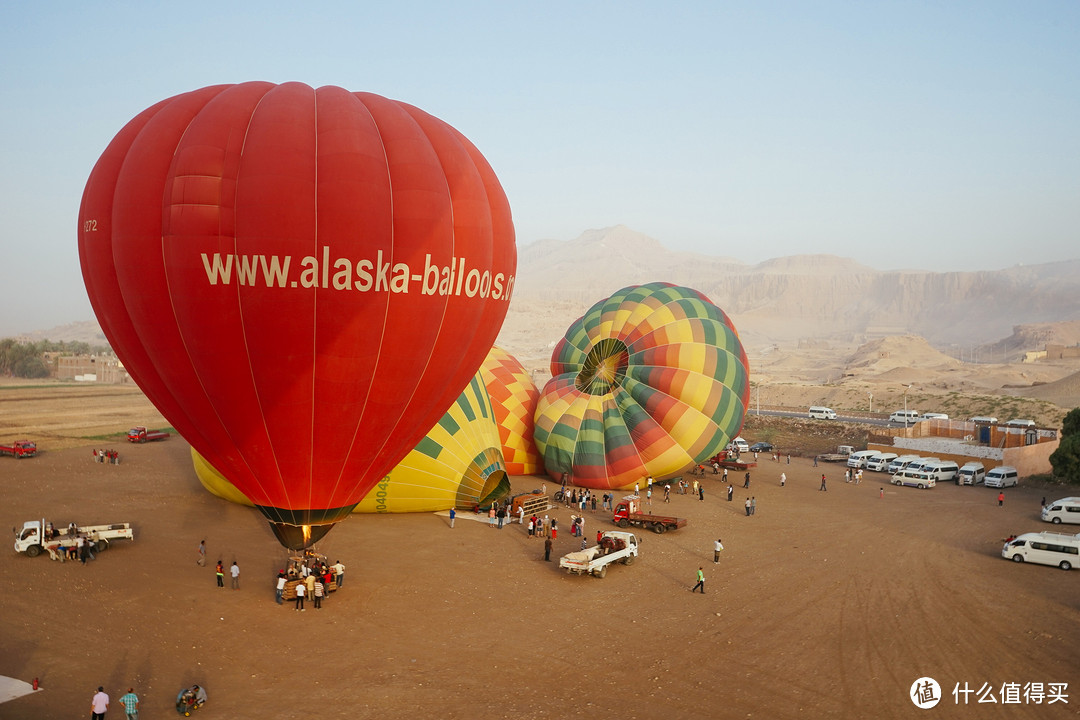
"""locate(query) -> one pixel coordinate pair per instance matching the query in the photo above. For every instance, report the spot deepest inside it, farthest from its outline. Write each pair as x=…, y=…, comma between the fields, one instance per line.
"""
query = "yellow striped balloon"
x=457, y=464
x=513, y=397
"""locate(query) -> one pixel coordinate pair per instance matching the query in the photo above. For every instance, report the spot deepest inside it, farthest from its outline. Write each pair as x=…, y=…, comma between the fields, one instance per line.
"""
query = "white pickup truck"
x=38, y=535
x=614, y=546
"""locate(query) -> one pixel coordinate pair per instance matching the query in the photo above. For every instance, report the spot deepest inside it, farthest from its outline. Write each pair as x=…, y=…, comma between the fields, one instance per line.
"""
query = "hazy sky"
x=938, y=135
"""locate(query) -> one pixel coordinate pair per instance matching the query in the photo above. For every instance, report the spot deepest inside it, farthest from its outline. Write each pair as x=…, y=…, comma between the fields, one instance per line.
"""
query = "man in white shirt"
x=99, y=704
x=718, y=548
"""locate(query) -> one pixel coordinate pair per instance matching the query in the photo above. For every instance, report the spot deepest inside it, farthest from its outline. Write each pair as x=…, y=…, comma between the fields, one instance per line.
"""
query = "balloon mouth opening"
x=299, y=537
x=604, y=368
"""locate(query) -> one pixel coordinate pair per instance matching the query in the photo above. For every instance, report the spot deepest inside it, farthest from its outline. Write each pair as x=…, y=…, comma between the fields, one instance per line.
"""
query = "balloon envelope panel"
x=650, y=381
x=457, y=464
x=302, y=280
x=513, y=397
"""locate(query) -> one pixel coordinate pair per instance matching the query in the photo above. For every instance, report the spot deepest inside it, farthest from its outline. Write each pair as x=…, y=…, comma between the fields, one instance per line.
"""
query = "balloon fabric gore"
x=301, y=280
x=649, y=382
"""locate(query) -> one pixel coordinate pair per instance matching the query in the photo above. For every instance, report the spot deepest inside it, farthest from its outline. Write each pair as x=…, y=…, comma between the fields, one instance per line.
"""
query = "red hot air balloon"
x=302, y=281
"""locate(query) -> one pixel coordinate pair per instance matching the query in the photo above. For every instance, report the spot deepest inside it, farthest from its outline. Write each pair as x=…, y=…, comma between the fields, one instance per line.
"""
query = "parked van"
x=901, y=462
x=943, y=470
x=860, y=458
x=1045, y=548
x=908, y=417
x=739, y=445
x=921, y=463
x=914, y=478
x=934, y=416
x=1020, y=422
x=971, y=473
x=984, y=420
x=1002, y=477
x=1065, y=510
x=879, y=462
x=819, y=412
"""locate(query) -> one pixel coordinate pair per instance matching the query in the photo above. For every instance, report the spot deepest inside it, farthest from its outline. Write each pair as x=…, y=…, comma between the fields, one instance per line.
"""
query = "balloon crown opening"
x=604, y=367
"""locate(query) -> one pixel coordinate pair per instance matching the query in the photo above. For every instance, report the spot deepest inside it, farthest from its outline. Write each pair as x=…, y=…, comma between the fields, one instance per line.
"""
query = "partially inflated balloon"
x=457, y=464
x=647, y=383
x=301, y=280
x=513, y=397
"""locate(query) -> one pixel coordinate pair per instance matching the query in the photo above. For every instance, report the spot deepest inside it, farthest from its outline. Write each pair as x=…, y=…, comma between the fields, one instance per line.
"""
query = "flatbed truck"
x=38, y=535
x=614, y=546
x=19, y=449
x=141, y=435
x=628, y=512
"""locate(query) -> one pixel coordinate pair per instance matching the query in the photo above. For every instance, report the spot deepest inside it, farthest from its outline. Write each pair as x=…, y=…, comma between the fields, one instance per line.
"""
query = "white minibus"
x=1002, y=477
x=1045, y=548
x=901, y=462
x=908, y=417
x=1065, y=510
x=914, y=478
x=858, y=459
x=943, y=470
x=819, y=412
x=879, y=462
x=971, y=473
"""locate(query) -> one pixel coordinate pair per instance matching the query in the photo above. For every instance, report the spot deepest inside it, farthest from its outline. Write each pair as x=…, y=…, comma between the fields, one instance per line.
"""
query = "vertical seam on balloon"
x=169, y=293
x=315, y=304
x=378, y=355
x=243, y=331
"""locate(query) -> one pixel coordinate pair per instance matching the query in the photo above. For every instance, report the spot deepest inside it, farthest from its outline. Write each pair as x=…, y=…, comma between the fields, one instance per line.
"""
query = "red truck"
x=628, y=512
x=19, y=449
x=141, y=435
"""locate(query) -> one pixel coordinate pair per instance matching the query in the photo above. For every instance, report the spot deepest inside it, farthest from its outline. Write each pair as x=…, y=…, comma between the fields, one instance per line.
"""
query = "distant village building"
x=1060, y=352
x=88, y=368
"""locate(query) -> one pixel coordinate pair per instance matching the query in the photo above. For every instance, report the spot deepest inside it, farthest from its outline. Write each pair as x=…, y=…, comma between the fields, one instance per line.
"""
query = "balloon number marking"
x=89, y=226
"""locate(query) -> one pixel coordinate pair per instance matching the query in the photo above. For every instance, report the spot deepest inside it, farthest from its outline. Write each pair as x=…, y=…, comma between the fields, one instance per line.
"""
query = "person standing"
x=99, y=704
x=339, y=573
x=300, y=590
x=700, y=581
x=783, y=479
x=491, y=515
x=701, y=493
x=319, y=592
x=730, y=492
x=823, y=484
x=453, y=514
x=547, y=550
x=279, y=589
x=130, y=701
x=554, y=528
x=718, y=547
x=881, y=493
x=234, y=571
x=648, y=495
x=501, y=515
x=1001, y=499
x=753, y=504
x=725, y=475
x=667, y=493
x=521, y=514
x=789, y=459
x=747, y=507
x=201, y=559
x=220, y=573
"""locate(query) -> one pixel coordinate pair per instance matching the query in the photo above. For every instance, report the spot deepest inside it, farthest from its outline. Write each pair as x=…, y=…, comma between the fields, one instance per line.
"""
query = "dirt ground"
x=825, y=604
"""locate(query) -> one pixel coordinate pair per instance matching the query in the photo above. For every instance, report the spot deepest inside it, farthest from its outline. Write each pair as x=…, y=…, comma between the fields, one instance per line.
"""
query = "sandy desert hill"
x=824, y=321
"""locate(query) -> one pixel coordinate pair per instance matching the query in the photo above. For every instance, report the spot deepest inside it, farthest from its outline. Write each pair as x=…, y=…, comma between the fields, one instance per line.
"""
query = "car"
x=761, y=447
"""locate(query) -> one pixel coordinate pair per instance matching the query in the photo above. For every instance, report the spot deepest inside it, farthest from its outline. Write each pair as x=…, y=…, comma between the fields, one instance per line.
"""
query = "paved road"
x=839, y=418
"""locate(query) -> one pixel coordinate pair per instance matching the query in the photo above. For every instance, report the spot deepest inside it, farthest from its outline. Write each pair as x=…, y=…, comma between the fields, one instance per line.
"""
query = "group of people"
x=109, y=456
x=234, y=573
x=72, y=545
x=99, y=704
x=309, y=577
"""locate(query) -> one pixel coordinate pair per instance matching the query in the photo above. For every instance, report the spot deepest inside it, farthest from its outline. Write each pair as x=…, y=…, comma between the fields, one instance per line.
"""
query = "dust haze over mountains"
x=820, y=297
x=812, y=319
